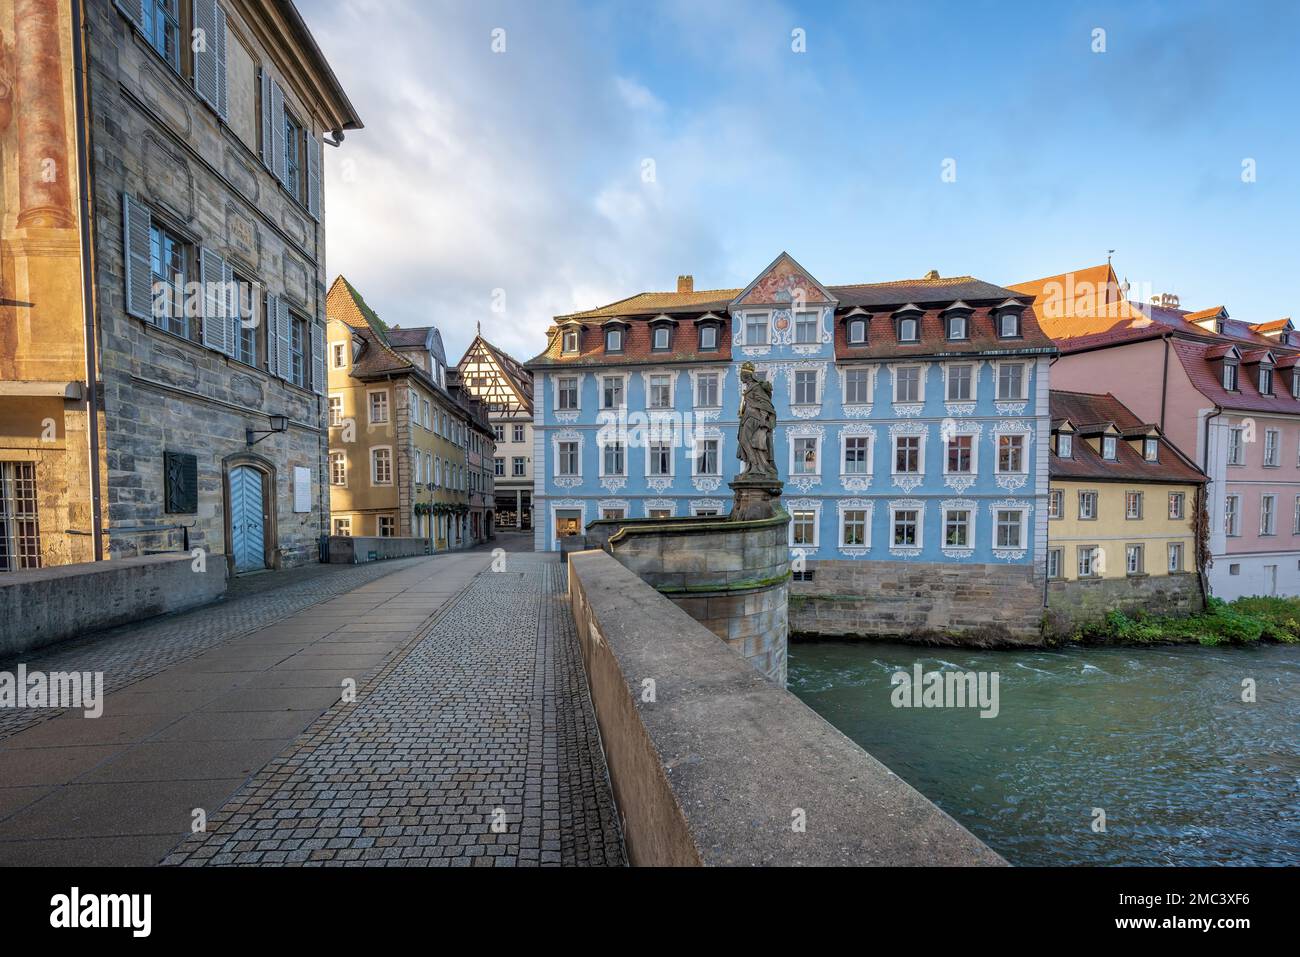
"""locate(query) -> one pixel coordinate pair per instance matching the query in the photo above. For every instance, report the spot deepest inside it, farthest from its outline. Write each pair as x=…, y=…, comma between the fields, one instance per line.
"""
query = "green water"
x=1159, y=738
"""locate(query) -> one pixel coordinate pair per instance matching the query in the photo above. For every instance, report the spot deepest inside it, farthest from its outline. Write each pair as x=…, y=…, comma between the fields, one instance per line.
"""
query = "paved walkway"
x=471, y=739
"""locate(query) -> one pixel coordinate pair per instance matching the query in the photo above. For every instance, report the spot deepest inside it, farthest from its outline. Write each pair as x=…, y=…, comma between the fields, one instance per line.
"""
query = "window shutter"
x=277, y=131
x=283, y=359
x=317, y=358
x=268, y=320
x=205, y=59
x=215, y=319
x=234, y=324
x=133, y=10
x=136, y=224
x=219, y=18
x=313, y=174
x=268, y=141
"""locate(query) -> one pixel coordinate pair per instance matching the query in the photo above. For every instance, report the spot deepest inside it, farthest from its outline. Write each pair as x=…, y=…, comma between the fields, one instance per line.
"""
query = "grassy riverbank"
x=1242, y=622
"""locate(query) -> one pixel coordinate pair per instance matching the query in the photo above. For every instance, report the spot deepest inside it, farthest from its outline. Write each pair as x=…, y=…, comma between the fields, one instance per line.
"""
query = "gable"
x=782, y=283
x=482, y=374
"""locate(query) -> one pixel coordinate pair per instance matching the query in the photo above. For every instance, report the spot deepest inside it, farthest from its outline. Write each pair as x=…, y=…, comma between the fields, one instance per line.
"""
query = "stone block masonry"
x=349, y=550
x=975, y=604
x=1072, y=604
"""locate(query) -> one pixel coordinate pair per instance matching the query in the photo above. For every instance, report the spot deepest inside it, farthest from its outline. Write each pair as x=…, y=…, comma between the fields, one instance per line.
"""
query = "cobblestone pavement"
x=478, y=746
x=130, y=652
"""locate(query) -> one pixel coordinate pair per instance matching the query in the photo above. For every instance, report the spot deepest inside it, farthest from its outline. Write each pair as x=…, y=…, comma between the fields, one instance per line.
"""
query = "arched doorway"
x=250, y=513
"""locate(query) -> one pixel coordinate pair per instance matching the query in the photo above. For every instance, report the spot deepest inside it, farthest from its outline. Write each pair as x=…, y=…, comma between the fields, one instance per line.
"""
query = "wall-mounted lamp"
x=279, y=423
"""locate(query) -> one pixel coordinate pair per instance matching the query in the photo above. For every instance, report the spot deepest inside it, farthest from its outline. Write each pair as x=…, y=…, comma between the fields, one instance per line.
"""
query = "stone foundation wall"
x=1072, y=604
x=349, y=550
x=732, y=577
x=972, y=604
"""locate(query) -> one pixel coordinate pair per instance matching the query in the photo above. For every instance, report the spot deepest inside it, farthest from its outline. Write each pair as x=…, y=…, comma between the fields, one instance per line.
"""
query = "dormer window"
x=857, y=332
x=662, y=338
x=1009, y=325
x=1151, y=450
x=1218, y=326
x=613, y=340
x=909, y=329
x=1064, y=445
x=1295, y=383
x=570, y=344
x=1284, y=338
x=1265, y=381
x=1109, y=448
x=958, y=328
x=1230, y=376
x=708, y=337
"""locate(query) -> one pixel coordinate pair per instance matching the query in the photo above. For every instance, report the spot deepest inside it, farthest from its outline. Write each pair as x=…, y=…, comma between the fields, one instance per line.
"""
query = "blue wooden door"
x=247, y=522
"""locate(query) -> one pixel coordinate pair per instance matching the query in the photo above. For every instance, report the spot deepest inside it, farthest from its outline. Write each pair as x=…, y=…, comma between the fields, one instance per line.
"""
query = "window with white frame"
x=381, y=466
x=803, y=527
x=611, y=512
x=1268, y=515
x=706, y=390
x=661, y=392
x=1055, y=563
x=437, y=471
x=566, y=393
x=1295, y=383
x=338, y=355
x=518, y=466
x=343, y=526
x=378, y=407
x=518, y=433
x=428, y=467
x=570, y=343
x=566, y=460
x=1011, y=381
x=386, y=526
x=614, y=340
x=1232, y=515
x=659, y=456
x=1175, y=557
x=857, y=387
x=1055, y=503
x=756, y=324
x=708, y=337
x=1009, y=325
x=336, y=411
x=611, y=393
x=1064, y=445
x=960, y=386
x=1150, y=450
x=958, y=327
x=907, y=454
x=805, y=327
x=853, y=528
x=1230, y=376
x=906, y=531
x=1272, y=448
x=1089, y=565
x=426, y=419
x=1295, y=520
x=909, y=329
x=1010, y=528
x=1176, y=505
x=613, y=459
x=706, y=457
x=804, y=452
x=1011, y=454
x=805, y=387
x=1236, y=448
x=857, y=332
x=960, y=457
x=419, y=468
x=956, y=528
x=907, y=384
x=1265, y=380
x=1133, y=505
x=857, y=455
x=338, y=468
x=1109, y=448
x=1133, y=564
x=1087, y=505
x=662, y=340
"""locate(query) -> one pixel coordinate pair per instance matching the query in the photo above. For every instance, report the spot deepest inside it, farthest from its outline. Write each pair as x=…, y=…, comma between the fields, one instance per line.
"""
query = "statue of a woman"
x=757, y=419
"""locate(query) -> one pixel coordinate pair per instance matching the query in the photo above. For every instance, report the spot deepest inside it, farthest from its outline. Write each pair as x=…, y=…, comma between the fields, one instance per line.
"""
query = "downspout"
x=1164, y=382
x=79, y=26
x=1047, y=537
x=1205, y=494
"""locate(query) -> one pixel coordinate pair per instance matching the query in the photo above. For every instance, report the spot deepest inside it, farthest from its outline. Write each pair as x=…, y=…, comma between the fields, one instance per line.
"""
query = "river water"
x=1157, y=738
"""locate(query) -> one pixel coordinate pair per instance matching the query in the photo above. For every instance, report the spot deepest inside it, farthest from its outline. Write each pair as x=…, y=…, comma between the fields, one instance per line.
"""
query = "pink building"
x=1226, y=392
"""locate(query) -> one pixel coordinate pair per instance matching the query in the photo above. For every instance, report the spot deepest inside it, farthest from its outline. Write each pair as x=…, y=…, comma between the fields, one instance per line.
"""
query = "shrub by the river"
x=1241, y=622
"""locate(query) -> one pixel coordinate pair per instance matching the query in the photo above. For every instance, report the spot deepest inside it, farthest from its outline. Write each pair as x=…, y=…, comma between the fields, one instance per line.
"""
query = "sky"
x=522, y=160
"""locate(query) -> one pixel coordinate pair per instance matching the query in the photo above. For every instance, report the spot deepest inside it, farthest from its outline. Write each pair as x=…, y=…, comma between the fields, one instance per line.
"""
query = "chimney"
x=685, y=283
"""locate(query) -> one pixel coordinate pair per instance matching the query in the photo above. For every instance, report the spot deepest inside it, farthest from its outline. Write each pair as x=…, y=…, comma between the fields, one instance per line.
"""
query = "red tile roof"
x=1130, y=466
x=1197, y=359
x=637, y=350
x=882, y=337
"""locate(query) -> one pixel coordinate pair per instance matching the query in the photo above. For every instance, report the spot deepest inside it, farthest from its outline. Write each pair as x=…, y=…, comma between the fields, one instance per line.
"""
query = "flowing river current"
x=1159, y=739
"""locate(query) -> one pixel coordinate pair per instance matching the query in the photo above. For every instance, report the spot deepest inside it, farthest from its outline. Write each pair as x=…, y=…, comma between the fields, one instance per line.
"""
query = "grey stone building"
x=206, y=122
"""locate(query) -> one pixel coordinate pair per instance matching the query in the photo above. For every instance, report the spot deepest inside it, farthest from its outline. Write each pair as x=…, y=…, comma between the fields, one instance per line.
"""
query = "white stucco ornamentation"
x=850, y=505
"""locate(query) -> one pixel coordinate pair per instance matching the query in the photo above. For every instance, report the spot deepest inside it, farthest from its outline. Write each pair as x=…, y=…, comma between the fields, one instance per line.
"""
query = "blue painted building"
x=913, y=416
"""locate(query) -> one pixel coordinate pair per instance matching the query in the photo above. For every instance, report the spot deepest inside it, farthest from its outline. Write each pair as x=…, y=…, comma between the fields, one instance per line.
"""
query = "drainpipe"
x=1164, y=382
x=1205, y=467
x=86, y=217
x=1048, y=537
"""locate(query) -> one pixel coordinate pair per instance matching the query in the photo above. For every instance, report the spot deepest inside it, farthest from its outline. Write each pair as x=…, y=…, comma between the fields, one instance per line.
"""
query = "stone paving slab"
x=478, y=746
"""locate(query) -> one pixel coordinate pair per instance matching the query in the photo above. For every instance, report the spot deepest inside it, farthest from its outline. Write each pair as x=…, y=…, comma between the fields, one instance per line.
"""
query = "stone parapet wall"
x=710, y=764
x=975, y=604
x=350, y=550
x=732, y=577
x=1072, y=604
x=48, y=605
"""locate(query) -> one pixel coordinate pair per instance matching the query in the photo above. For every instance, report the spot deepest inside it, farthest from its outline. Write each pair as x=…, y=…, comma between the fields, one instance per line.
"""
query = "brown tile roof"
x=400, y=337
x=685, y=343
x=1197, y=358
x=882, y=338
x=1130, y=465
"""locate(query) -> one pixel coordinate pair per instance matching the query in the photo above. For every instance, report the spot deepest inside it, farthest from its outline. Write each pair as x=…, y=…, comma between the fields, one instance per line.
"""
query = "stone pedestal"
x=755, y=498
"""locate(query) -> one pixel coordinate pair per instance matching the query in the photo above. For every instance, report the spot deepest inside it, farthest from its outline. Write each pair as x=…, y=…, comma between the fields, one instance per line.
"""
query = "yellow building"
x=399, y=438
x=1123, y=501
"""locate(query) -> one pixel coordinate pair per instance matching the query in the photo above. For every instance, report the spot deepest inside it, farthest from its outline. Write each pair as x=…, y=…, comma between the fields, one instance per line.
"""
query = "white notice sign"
x=301, y=489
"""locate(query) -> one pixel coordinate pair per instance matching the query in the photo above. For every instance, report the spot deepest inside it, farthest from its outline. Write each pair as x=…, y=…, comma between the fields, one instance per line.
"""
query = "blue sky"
x=504, y=188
